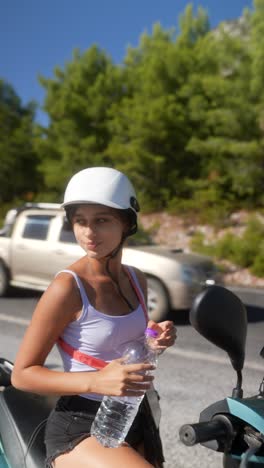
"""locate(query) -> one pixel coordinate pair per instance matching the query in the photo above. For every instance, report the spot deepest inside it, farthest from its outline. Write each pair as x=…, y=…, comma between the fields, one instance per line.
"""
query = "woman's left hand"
x=167, y=333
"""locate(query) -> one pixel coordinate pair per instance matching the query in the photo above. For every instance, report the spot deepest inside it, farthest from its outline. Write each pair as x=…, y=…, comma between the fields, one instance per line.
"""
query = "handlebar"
x=216, y=429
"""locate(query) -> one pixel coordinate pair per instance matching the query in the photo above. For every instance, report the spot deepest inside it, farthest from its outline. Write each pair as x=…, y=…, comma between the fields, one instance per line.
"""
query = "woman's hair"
x=70, y=211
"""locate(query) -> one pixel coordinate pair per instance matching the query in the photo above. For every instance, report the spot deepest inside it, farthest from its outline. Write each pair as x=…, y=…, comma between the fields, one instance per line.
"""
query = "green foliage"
x=77, y=101
x=248, y=246
x=198, y=244
x=177, y=116
x=227, y=247
x=247, y=251
x=142, y=237
x=257, y=267
x=18, y=160
x=257, y=48
x=183, y=116
x=193, y=27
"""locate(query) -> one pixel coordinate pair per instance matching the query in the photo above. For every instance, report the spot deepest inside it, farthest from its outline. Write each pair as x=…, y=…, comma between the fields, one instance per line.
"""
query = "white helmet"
x=102, y=185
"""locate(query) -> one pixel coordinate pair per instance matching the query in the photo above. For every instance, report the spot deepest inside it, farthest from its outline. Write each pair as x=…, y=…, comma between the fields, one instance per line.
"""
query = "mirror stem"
x=261, y=388
x=237, y=391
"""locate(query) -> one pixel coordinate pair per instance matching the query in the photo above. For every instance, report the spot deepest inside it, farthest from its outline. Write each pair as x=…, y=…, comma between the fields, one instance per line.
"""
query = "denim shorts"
x=70, y=422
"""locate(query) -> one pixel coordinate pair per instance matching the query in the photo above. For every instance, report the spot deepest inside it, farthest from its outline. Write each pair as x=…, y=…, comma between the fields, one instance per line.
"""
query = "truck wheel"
x=4, y=279
x=158, y=301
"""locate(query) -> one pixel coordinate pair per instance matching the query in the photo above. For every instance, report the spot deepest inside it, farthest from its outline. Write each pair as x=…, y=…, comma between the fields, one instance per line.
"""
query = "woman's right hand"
x=119, y=379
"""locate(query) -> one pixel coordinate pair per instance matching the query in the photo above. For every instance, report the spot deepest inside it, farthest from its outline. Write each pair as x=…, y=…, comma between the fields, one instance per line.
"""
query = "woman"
x=92, y=309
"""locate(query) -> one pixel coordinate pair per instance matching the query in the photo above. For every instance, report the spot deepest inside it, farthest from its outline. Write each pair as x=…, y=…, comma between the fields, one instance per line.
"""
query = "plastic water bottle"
x=116, y=414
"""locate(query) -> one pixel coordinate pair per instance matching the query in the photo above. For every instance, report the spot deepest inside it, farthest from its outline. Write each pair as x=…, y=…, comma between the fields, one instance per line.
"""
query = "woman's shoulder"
x=71, y=274
x=61, y=300
x=76, y=276
x=64, y=284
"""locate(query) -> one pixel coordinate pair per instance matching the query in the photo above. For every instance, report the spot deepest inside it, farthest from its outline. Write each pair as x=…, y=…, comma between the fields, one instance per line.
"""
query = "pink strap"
x=138, y=293
x=81, y=357
x=86, y=358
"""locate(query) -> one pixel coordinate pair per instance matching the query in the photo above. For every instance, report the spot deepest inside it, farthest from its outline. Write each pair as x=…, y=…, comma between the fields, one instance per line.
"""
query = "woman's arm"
x=56, y=308
x=59, y=305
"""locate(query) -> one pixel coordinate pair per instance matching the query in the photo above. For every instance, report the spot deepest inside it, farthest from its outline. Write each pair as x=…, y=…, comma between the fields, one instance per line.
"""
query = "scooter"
x=22, y=421
x=234, y=425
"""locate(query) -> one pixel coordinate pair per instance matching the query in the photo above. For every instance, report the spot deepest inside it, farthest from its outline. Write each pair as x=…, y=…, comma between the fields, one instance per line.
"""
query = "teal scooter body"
x=243, y=413
x=251, y=412
x=3, y=461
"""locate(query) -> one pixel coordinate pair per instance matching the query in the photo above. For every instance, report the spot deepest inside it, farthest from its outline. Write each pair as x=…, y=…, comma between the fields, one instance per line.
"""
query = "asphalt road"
x=190, y=376
x=254, y=297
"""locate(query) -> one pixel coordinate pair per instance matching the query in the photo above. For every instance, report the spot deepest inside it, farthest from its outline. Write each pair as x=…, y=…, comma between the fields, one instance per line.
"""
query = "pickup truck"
x=37, y=241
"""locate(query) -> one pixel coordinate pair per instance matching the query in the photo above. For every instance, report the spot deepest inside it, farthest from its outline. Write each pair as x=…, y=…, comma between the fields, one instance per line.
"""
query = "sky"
x=38, y=35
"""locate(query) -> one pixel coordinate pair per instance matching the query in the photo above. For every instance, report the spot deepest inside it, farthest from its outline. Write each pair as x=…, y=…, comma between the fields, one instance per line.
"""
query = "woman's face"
x=98, y=229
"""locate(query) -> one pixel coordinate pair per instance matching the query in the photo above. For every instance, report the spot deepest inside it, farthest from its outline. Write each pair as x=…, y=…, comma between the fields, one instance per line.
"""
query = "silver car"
x=36, y=242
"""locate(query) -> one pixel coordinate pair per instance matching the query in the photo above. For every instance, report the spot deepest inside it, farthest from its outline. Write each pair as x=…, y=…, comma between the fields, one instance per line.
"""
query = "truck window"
x=37, y=227
x=66, y=234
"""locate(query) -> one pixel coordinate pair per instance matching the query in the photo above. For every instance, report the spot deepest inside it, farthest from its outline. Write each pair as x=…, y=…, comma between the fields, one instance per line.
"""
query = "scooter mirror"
x=220, y=316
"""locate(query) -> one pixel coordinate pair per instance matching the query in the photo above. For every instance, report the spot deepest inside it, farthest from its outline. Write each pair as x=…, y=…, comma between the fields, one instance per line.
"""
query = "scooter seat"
x=22, y=423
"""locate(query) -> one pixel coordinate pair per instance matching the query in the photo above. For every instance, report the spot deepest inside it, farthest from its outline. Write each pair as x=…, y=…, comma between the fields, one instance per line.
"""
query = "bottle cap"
x=151, y=332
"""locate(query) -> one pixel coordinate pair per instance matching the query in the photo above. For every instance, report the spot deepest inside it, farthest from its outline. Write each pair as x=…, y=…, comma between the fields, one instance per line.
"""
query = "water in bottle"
x=116, y=414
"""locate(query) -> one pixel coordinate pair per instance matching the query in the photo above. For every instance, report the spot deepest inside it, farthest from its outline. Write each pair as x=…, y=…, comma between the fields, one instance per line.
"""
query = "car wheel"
x=4, y=279
x=158, y=301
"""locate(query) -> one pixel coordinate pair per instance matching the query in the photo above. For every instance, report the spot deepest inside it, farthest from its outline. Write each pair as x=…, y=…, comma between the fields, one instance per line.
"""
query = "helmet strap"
x=110, y=256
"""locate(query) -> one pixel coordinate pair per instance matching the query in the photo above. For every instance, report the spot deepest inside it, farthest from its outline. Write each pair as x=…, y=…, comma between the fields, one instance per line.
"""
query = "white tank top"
x=100, y=335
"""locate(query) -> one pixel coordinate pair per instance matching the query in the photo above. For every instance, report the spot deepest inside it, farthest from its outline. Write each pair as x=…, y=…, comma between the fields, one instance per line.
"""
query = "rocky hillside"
x=177, y=232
